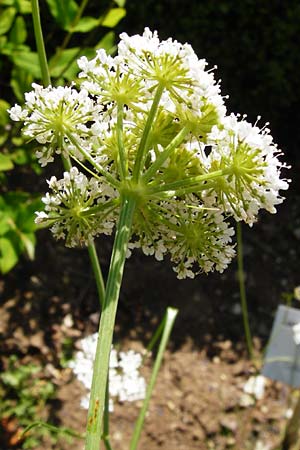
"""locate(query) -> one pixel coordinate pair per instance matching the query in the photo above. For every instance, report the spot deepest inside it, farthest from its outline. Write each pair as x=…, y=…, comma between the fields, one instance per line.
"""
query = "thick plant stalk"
x=106, y=327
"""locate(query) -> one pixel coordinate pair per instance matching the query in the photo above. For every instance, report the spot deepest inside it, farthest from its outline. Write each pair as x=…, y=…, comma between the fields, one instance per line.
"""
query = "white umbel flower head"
x=51, y=114
x=125, y=381
x=79, y=208
x=252, y=171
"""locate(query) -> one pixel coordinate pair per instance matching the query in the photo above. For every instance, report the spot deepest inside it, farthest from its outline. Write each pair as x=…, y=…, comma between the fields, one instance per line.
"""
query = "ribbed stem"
x=106, y=327
x=40, y=42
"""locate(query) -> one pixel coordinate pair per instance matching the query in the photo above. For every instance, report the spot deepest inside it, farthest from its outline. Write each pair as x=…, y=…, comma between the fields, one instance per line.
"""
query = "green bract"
x=150, y=125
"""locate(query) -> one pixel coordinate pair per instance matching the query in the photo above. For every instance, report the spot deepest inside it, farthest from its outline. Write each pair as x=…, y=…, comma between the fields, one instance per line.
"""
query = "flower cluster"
x=151, y=124
x=125, y=382
x=78, y=208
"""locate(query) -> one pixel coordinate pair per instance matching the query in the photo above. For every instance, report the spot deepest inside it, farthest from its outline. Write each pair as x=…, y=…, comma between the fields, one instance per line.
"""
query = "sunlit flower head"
x=252, y=170
x=78, y=208
x=51, y=114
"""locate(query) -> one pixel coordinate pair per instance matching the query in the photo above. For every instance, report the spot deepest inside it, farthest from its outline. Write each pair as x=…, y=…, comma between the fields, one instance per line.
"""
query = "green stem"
x=187, y=183
x=105, y=435
x=107, y=321
x=40, y=42
x=243, y=298
x=97, y=272
x=178, y=139
x=143, y=143
x=115, y=183
x=169, y=322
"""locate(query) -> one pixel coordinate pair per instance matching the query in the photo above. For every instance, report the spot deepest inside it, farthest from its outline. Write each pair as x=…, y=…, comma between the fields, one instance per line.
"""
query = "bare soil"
x=197, y=403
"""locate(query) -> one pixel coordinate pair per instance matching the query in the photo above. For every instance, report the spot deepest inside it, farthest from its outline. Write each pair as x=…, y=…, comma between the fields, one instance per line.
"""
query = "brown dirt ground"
x=196, y=403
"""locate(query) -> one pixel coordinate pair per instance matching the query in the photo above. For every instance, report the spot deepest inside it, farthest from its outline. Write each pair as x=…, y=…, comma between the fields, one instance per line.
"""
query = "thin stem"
x=107, y=321
x=105, y=435
x=122, y=154
x=169, y=322
x=40, y=42
x=243, y=298
x=178, y=139
x=97, y=272
x=187, y=183
x=89, y=158
x=143, y=143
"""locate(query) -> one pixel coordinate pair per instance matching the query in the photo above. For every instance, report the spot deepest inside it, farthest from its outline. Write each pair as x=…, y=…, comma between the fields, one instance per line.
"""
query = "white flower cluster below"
x=125, y=382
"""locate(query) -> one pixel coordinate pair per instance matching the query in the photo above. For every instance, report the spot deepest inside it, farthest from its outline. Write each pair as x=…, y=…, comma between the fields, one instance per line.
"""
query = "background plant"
x=24, y=394
x=77, y=32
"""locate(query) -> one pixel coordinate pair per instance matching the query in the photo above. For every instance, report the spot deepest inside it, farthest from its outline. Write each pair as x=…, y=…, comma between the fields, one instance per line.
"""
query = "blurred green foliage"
x=71, y=29
x=23, y=396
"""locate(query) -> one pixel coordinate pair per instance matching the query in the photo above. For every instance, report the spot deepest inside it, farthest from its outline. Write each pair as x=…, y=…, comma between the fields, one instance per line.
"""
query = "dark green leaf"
x=28, y=61
x=64, y=12
x=58, y=64
x=20, y=156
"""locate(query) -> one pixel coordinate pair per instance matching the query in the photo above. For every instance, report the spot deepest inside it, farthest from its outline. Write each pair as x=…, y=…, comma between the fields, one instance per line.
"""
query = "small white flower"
x=255, y=386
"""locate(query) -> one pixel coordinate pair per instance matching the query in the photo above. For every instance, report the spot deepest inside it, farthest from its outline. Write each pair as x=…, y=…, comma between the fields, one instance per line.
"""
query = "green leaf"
x=8, y=255
x=107, y=42
x=120, y=3
x=28, y=61
x=3, y=42
x=86, y=24
x=5, y=162
x=113, y=17
x=58, y=64
x=64, y=12
x=4, y=117
x=24, y=6
x=7, y=16
x=20, y=156
x=8, y=2
x=18, y=33
x=29, y=244
x=20, y=82
x=4, y=220
x=26, y=215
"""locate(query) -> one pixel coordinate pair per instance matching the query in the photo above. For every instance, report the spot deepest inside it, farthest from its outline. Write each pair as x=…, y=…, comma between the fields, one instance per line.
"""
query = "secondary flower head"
x=51, y=114
x=78, y=208
x=249, y=159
